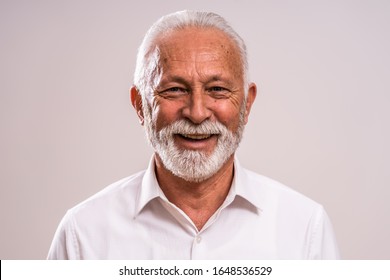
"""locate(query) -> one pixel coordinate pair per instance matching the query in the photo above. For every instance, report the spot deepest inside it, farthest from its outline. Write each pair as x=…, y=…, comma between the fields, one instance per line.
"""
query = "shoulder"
x=302, y=222
x=116, y=197
x=89, y=221
x=272, y=193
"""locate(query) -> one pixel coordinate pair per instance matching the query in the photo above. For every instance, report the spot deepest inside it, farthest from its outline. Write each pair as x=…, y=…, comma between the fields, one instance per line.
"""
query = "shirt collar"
x=149, y=188
x=244, y=187
x=241, y=186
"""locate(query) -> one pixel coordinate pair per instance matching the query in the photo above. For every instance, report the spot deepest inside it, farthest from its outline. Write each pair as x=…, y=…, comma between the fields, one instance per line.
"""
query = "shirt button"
x=198, y=239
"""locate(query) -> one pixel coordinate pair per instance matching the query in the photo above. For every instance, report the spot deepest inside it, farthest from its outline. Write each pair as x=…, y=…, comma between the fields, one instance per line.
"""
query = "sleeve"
x=64, y=245
x=323, y=243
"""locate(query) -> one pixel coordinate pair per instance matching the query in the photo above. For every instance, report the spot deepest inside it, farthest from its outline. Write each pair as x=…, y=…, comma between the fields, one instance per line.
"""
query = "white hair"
x=146, y=65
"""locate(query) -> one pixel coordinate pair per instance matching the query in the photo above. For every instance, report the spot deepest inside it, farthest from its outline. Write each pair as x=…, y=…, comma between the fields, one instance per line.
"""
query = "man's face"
x=197, y=111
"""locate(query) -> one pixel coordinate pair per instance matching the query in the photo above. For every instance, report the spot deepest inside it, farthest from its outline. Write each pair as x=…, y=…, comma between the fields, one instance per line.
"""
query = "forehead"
x=198, y=45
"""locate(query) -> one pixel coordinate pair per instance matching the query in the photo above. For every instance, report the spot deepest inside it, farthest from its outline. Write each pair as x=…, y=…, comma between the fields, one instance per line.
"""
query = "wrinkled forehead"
x=197, y=44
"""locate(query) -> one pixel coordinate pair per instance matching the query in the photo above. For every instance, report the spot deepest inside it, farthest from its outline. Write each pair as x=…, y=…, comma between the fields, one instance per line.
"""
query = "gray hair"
x=146, y=65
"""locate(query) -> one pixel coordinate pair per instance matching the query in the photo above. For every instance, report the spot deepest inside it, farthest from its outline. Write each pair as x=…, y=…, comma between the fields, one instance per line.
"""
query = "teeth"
x=196, y=136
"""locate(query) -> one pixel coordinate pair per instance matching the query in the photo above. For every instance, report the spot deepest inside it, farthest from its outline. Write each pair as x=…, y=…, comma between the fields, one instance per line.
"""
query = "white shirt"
x=132, y=219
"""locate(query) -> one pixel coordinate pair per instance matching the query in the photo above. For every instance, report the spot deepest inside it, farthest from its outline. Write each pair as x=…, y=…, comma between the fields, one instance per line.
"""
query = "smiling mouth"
x=196, y=136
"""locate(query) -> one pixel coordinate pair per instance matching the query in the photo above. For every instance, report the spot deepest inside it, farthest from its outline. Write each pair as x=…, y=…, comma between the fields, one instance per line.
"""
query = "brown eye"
x=175, y=89
x=217, y=89
x=219, y=92
x=173, y=92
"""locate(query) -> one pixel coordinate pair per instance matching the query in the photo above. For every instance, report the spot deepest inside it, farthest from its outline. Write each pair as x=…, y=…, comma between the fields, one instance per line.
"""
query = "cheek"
x=228, y=115
x=165, y=113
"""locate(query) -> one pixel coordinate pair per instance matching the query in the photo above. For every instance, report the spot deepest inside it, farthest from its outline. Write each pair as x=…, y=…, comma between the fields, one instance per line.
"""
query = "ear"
x=252, y=92
x=136, y=101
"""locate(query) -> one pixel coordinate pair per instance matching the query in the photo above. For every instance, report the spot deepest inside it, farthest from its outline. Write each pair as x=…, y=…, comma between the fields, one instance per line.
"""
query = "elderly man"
x=195, y=201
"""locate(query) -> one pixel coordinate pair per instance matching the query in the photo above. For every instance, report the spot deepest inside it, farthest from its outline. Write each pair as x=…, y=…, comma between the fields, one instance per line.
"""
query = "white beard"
x=190, y=165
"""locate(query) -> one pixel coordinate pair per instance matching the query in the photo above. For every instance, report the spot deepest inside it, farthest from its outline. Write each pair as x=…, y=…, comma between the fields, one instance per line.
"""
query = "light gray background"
x=320, y=123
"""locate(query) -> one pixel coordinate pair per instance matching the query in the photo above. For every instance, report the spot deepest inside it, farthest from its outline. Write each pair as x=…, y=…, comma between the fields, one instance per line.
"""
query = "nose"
x=196, y=109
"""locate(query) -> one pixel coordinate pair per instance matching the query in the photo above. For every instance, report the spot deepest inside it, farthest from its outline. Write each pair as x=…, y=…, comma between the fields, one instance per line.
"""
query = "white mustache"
x=186, y=127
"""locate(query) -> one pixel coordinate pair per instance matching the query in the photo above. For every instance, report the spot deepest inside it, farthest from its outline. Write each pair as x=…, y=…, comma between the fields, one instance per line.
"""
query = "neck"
x=199, y=200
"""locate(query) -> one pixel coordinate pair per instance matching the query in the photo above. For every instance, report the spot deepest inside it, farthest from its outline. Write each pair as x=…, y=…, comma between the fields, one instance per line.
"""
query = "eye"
x=219, y=92
x=217, y=89
x=172, y=92
x=175, y=89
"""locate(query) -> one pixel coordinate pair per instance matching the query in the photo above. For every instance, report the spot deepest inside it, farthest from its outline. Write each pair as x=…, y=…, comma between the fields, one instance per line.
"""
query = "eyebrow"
x=179, y=79
x=174, y=78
